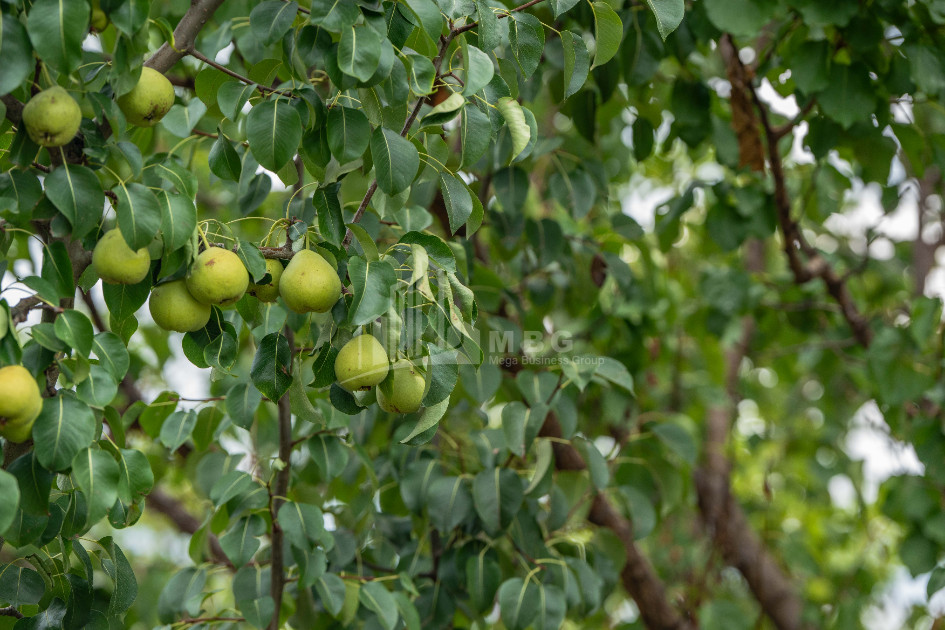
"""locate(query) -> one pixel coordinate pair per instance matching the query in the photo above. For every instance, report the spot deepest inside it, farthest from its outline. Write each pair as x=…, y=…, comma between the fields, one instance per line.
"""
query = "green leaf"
x=518, y=603
x=378, y=599
x=182, y=593
x=34, y=484
x=324, y=366
x=615, y=372
x=178, y=219
x=272, y=366
x=240, y=541
x=483, y=576
x=331, y=591
x=241, y=404
x=123, y=300
x=333, y=15
x=224, y=161
x=433, y=245
x=119, y=570
x=348, y=133
x=475, y=134
x=428, y=13
x=478, y=68
x=231, y=485
x=181, y=119
x=139, y=215
x=56, y=29
x=359, y=52
x=20, y=585
x=10, y=491
x=16, y=52
x=559, y=7
x=527, y=37
x=135, y=475
x=231, y=97
x=99, y=389
x=331, y=223
x=552, y=607
x=449, y=503
x=64, y=427
x=329, y=453
x=677, y=439
x=514, y=116
x=77, y=194
x=668, y=13
x=96, y=473
x=576, y=62
x=488, y=30
x=373, y=284
x=303, y=524
x=270, y=20
x=608, y=31
x=457, y=200
x=274, y=131
x=497, y=496
x=396, y=160
x=429, y=418
x=57, y=269
x=420, y=74
x=849, y=97
x=75, y=329
x=741, y=18
x=177, y=428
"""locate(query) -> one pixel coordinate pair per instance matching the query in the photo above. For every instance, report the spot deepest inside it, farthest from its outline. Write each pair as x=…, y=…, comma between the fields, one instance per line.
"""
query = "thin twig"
x=193, y=52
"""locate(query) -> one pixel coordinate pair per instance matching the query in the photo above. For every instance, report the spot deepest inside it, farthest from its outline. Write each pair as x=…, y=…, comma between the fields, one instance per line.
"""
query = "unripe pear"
x=218, y=277
x=174, y=308
x=116, y=263
x=402, y=390
x=361, y=363
x=148, y=101
x=309, y=283
x=20, y=403
x=269, y=292
x=52, y=117
x=99, y=20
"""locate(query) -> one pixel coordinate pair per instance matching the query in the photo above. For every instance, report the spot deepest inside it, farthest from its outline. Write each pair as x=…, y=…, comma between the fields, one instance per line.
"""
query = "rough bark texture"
x=184, y=35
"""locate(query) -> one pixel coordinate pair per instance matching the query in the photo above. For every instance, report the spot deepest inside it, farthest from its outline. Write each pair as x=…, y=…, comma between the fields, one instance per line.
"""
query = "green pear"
x=52, y=117
x=99, y=20
x=402, y=391
x=268, y=292
x=20, y=403
x=218, y=277
x=116, y=263
x=361, y=363
x=309, y=283
x=148, y=101
x=174, y=308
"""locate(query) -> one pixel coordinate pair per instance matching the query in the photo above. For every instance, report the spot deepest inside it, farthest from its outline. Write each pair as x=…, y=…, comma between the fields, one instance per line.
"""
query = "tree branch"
x=638, y=577
x=185, y=35
x=10, y=611
x=278, y=493
x=193, y=52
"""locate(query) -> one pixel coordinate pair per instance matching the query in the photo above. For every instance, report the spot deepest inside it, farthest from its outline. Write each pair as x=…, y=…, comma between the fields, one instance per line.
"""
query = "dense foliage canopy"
x=637, y=272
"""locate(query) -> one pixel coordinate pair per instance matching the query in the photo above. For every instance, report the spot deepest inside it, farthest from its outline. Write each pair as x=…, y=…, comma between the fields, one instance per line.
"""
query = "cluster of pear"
x=20, y=403
x=363, y=363
x=52, y=117
x=217, y=278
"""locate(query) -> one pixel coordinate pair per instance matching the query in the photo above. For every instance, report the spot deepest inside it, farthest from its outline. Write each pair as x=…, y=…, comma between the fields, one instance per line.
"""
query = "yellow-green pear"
x=148, y=101
x=174, y=308
x=52, y=117
x=269, y=292
x=20, y=403
x=218, y=277
x=99, y=20
x=361, y=363
x=402, y=390
x=309, y=283
x=116, y=263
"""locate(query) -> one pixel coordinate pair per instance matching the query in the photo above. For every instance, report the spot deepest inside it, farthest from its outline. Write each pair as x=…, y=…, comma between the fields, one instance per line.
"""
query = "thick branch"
x=185, y=522
x=10, y=611
x=638, y=577
x=184, y=35
x=278, y=494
